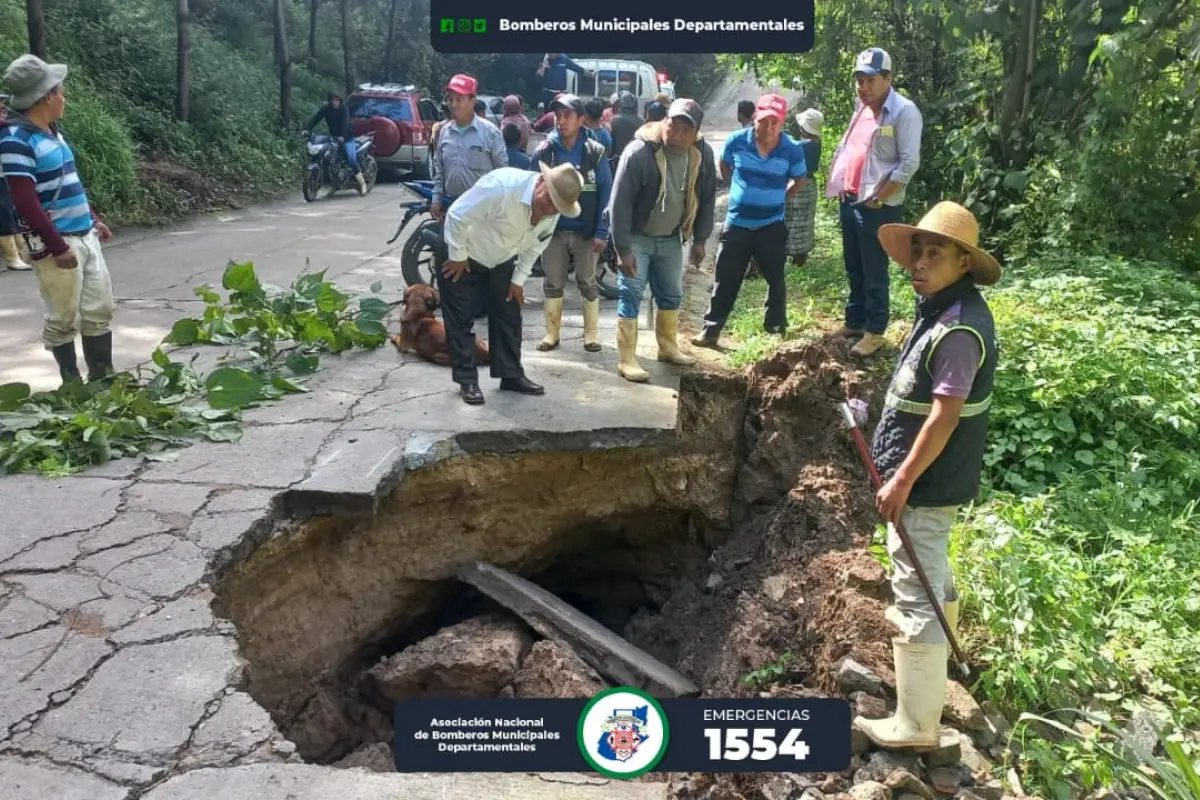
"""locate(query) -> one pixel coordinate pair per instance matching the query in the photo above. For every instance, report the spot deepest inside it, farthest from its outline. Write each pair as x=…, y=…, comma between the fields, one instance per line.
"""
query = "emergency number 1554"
x=758, y=744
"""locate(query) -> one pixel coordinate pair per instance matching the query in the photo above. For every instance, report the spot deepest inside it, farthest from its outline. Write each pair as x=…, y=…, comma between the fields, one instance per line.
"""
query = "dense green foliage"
x=1098, y=150
x=1080, y=569
x=142, y=165
x=284, y=331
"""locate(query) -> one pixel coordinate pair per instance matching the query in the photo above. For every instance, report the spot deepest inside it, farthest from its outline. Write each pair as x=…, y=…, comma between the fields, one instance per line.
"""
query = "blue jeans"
x=866, y=264
x=351, y=148
x=659, y=260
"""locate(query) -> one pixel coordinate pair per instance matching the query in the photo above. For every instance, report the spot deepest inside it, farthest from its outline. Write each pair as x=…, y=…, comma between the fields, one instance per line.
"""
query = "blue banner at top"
x=620, y=26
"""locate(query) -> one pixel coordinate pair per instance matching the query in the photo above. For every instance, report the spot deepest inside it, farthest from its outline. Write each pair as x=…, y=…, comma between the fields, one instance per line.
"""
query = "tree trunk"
x=1017, y=93
x=36, y=21
x=183, y=61
x=313, y=6
x=347, y=55
x=390, y=51
x=283, y=60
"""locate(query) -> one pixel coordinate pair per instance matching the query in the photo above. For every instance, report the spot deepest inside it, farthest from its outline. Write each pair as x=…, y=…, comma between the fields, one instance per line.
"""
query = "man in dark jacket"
x=624, y=124
x=664, y=194
x=553, y=73
x=580, y=239
x=337, y=119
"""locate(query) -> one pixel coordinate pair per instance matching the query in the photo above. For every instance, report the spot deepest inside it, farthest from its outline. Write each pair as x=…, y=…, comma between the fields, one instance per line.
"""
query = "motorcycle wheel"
x=312, y=185
x=606, y=281
x=417, y=260
x=370, y=171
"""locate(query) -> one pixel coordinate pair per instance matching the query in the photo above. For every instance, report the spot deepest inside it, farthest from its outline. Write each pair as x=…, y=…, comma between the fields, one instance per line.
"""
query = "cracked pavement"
x=119, y=682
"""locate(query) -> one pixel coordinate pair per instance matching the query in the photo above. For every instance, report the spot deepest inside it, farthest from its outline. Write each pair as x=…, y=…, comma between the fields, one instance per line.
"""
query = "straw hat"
x=949, y=221
x=565, y=184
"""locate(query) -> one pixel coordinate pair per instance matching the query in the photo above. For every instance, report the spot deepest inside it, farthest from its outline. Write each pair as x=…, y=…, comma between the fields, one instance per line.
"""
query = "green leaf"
x=207, y=294
x=289, y=386
x=302, y=363
x=309, y=286
x=13, y=395
x=330, y=300
x=1085, y=457
x=184, y=332
x=241, y=278
x=377, y=287
x=223, y=432
x=160, y=358
x=1063, y=421
x=371, y=327
x=372, y=308
x=231, y=387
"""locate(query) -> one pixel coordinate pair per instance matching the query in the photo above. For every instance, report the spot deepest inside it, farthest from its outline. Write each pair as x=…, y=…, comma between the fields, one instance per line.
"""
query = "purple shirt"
x=954, y=364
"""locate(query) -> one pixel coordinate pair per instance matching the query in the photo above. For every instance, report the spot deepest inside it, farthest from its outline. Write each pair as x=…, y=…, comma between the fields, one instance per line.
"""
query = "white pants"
x=929, y=531
x=77, y=301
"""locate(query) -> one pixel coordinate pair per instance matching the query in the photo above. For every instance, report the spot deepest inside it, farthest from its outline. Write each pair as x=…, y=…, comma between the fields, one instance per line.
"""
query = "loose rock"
x=375, y=757
x=854, y=677
x=883, y=763
x=903, y=781
x=961, y=709
x=476, y=658
x=859, y=742
x=869, y=707
x=869, y=576
x=870, y=790
x=950, y=780
x=948, y=751
x=775, y=587
x=779, y=789
x=553, y=670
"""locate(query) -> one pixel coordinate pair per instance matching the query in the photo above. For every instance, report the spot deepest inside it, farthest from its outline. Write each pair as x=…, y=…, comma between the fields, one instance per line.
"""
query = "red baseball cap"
x=463, y=84
x=771, y=105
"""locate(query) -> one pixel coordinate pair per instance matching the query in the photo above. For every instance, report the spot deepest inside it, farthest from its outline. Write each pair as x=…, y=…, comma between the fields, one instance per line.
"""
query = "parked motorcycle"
x=328, y=166
x=417, y=260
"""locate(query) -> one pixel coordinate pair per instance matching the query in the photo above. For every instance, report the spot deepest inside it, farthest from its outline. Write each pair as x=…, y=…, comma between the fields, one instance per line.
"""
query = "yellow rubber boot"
x=920, y=695
x=554, y=308
x=950, y=609
x=591, y=325
x=628, y=367
x=666, y=328
x=12, y=254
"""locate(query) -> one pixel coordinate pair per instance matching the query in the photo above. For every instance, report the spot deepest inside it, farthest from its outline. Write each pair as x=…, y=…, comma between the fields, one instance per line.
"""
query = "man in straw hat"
x=61, y=232
x=494, y=232
x=929, y=448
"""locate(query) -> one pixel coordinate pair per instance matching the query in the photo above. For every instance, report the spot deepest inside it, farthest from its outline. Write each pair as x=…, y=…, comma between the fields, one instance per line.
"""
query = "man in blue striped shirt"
x=764, y=167
x=62, y=234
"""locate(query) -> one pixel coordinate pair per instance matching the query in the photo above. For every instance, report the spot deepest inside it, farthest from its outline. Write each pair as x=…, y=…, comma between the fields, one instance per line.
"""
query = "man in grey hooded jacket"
x=624, y=125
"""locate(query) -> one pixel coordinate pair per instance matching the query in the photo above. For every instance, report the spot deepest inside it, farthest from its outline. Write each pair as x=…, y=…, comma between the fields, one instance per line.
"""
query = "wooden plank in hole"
x=607, y=653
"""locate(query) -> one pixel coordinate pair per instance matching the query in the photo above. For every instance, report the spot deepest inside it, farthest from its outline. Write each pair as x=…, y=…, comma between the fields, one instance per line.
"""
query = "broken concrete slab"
x=476, y=658
x=304, y=782
x=270, y=456
x=40, y=664
x=26, y=779
x=237, y=729
x=603, y=650
x=350, y=475
x=182, y=616
x=44, y=513
x=554, y=670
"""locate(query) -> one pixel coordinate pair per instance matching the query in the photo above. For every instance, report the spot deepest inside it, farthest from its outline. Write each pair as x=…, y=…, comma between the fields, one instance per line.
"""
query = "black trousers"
x=8, y=214
x=479, y=306
x=504, y=321
x=768, y=247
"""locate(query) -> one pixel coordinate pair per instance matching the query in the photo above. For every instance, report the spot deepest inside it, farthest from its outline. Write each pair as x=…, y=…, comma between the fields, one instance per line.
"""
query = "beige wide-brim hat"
x=30, y=79
x=949, y=221
x=565, y=184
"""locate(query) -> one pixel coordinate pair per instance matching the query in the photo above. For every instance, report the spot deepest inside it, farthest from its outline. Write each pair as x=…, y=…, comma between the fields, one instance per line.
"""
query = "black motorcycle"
x=328, y=165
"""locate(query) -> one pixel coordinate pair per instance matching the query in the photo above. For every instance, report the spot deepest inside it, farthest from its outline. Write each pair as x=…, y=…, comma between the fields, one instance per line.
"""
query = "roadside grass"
x=1080, y=566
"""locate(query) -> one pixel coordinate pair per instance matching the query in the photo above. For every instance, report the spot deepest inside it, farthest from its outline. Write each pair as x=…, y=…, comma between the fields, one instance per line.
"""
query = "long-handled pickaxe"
x=852, y=424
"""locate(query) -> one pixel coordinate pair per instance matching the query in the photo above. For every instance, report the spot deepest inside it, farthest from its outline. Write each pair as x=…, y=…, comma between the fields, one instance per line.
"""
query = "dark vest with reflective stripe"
x=593, y=154
x=954, y=478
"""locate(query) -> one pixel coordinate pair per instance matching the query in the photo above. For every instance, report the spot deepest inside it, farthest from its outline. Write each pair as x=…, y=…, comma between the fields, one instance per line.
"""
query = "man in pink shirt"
x=876, y=160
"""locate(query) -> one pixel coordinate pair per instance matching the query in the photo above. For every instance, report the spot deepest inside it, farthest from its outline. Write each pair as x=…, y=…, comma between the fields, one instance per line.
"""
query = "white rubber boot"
x=553, y=307
x=628, y=367
x=591, y=325
x=666, y=329
x=950, y=609
x=920, y=695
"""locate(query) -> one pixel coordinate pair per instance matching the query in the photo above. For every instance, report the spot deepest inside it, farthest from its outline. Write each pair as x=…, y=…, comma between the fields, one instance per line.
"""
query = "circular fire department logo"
x=623, y=733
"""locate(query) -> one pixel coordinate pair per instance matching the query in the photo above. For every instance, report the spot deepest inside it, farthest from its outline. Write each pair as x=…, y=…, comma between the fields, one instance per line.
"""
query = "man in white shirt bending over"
x=494, y=233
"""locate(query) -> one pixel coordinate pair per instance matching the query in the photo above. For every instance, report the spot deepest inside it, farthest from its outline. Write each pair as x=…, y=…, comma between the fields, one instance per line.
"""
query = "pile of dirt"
x=796, y=578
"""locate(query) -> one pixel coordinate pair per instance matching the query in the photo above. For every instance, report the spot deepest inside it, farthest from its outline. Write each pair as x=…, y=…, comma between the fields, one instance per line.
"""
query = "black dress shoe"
x=521, y=385
x=472, y=395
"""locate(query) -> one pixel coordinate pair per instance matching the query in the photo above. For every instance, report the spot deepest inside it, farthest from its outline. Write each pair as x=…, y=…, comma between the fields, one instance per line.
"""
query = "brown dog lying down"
x=423, y=333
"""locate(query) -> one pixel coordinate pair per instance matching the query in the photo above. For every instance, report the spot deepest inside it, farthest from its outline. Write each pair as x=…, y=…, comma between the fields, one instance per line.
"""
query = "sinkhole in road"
x=325, y=606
